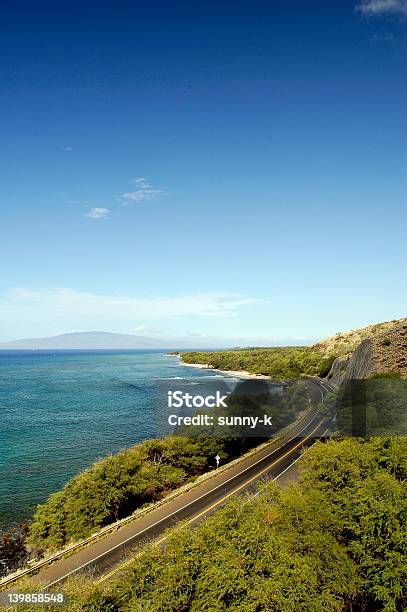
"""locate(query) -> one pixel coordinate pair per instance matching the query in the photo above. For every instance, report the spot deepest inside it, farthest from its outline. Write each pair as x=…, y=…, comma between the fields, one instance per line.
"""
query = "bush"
x=278, y=363
x=335, y=541
x=114, y=487
x=117, y=485
x=364, y=484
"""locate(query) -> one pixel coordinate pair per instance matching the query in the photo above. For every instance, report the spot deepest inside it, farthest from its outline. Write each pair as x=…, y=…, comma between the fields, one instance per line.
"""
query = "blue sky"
x=221, y=171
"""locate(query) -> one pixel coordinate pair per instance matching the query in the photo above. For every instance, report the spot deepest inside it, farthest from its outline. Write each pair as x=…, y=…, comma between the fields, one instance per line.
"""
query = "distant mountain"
x=90, y=340
x=108, y=340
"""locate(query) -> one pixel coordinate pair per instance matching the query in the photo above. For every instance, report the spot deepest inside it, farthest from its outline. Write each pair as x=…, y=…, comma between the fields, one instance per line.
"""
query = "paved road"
x=99, y=558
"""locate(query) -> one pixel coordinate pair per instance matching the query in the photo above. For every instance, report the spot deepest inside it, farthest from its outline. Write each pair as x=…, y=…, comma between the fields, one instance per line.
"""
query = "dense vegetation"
x=115, y=486
x=336, y=541
x=280, y=363
x=369, y=407
x=119, y=484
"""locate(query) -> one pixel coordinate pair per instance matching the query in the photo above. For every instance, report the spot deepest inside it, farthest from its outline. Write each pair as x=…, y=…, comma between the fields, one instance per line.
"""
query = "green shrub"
x=117, y=485
x=335, y=541
x=391, y=375
x=114, y=487
x=280, y=363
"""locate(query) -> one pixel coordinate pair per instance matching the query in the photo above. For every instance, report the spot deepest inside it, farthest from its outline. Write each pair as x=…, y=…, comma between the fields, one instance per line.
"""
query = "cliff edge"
x=376, y=349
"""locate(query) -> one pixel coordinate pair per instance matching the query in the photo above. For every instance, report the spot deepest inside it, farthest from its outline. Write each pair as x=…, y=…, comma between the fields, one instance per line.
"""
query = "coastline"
x=232, y=373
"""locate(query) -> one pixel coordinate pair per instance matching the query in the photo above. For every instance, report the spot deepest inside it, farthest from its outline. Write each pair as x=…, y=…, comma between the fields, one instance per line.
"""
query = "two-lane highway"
x=101, y=556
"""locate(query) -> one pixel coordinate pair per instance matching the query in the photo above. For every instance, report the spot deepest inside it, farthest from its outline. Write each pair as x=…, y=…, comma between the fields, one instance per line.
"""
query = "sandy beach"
x=233, y=373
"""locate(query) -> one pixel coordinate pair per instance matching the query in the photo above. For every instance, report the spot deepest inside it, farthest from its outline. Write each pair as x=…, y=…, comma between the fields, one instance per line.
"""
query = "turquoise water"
x=61, y=411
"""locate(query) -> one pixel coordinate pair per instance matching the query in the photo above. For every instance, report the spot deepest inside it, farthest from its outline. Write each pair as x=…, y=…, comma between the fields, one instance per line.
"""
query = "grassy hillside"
x=346, y=342
x=116, y=486
x=336, y=541
x=389, y=354
x=386, y=351
x=280, y=363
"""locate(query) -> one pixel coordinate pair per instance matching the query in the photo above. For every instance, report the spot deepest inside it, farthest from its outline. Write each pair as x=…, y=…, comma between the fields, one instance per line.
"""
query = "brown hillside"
x=344, y=343
x=390, y=349
x=385, y=351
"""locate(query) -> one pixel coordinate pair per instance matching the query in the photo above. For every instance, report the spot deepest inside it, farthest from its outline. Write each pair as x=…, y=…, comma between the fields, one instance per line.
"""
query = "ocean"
x=60, y=411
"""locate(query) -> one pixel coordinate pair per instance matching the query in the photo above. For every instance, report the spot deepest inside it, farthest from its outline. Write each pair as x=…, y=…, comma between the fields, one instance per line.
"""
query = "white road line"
x=298, y=458
x=179, y=509
x=286, y=469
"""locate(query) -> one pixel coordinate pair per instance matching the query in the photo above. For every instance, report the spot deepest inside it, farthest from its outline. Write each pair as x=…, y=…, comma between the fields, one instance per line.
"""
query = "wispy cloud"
x=143, y=191
x=383, y=37
x=70, y=309
x=382, y=7
x=147, y=329
x=98, y=213
x=202, y=304
x=66, y=148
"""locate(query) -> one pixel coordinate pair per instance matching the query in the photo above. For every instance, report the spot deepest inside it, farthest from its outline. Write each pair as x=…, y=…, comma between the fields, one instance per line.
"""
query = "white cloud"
x=140, y=328
x=65, y=148
x=98, y=213
x=143, y=192
x=383, y=37
x=195, y=335
x=68, y=309
x=147, y=329
x=382, y=7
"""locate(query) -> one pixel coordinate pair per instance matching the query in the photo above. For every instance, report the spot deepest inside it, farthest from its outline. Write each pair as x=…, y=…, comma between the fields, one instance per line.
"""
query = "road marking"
x=180, y=509
x=128, y=520
x=287, y=468
x=112, y=528
x=106, y=531
x=217, y=503
x=316, y=382
x=298, y=458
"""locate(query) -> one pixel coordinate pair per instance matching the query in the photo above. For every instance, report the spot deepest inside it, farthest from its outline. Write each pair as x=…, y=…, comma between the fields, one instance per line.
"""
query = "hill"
x=360, y=353
x=84, y=340
x=344, y=343
x=335, y=541
x=369, y=351
x=98, y=340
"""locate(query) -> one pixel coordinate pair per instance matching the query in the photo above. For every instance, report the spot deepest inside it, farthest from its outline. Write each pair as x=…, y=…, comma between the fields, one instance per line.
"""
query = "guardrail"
x=8, y=580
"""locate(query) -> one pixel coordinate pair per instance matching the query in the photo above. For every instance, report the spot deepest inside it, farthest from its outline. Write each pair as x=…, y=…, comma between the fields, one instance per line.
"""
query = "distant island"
x=94, y=340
